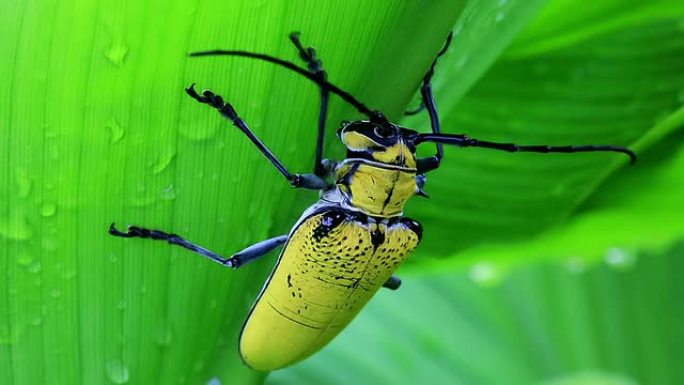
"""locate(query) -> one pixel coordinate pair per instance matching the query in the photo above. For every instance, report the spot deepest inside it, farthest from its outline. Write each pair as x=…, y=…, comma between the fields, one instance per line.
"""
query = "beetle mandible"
x=348, y=244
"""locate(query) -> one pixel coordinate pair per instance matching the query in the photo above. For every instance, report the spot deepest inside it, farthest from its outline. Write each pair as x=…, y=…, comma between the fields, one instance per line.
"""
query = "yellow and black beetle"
x=347, y=245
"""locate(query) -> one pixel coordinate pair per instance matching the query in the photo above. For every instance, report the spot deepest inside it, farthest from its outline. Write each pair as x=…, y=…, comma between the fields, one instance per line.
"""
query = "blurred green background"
x=534, y=269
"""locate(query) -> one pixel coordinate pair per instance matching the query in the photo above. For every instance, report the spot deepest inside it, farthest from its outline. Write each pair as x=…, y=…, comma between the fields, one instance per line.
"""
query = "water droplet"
x=23, y=183
x=37, y=321
x=34, y=267
x=214, y=381
x=24, y=259
x=122, y=305
x=15, y=227
x=169, y=193
x=502, y=3
x=116, y=132
x=164, y=160
x=48, y=209
x=499, y=17
x=55, y=293
x=620, y=258
x=484, y=274
x=117, y=51
x=117, y=372
x=163, y=336
x=69, y=274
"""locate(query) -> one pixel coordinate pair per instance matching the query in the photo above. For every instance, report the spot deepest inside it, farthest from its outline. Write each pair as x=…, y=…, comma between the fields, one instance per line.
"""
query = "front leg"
x=307, y=181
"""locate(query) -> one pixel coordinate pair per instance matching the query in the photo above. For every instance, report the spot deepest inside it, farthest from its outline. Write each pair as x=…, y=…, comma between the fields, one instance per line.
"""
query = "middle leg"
x=308, y=181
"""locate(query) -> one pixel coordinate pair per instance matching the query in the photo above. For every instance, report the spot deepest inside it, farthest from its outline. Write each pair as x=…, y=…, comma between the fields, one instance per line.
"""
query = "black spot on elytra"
x=289, y=280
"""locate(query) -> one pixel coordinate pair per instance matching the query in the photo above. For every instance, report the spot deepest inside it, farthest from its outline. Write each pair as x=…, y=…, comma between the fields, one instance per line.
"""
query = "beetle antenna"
x=465, y=141
x=374, y=115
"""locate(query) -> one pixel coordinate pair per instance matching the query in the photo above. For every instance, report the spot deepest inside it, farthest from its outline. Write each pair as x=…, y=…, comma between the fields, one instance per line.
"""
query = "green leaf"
x=96, y=128
x=621, y=87
x=544, y=324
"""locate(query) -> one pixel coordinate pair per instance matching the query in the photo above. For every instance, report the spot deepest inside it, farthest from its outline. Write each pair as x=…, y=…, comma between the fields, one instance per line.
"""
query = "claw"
x=115, y=232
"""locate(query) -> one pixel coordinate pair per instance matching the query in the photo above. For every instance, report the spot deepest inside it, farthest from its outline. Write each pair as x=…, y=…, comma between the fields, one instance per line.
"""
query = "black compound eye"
x=382, y=131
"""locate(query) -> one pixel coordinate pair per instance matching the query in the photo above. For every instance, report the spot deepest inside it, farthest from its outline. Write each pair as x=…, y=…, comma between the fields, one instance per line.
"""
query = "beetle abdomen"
x=331, y=266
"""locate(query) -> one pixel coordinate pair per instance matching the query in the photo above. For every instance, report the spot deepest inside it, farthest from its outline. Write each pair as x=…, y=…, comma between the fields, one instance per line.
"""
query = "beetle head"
x=382, y=142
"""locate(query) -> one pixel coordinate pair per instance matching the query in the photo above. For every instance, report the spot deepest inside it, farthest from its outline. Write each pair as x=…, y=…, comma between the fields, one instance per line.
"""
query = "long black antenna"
x=374, y=115
x=465, y=141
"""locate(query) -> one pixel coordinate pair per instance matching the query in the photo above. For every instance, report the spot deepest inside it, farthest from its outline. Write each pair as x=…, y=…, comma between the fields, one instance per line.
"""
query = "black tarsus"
x=308, y=181
x=464, y=141
x=174, y=239
x=315, y=66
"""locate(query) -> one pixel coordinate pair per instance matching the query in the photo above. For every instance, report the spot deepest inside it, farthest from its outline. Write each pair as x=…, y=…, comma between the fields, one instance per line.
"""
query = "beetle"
x=347, y=245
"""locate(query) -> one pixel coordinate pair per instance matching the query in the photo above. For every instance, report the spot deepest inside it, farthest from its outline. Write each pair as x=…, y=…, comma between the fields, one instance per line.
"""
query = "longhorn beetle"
x=346, y=245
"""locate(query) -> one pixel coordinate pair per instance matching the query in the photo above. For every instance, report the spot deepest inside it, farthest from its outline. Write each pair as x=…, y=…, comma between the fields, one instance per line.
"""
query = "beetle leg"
x=308, y=181
x=392, y=283
x=315, y=66
x=243, y=257
x=256, y=251
x=432, y=162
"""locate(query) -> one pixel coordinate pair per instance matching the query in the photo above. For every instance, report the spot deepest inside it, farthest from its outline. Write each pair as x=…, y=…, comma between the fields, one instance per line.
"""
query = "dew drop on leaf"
x=484, y=274
x=55, y=293
x=164, y=160
x=117, y=372
x=163, y=335
x=117, y=51
x=116, y=132
x=169, y=193
x=24, y=259
x=619, y=258
x=34, y=267
x=48, y=209
x=23, y=182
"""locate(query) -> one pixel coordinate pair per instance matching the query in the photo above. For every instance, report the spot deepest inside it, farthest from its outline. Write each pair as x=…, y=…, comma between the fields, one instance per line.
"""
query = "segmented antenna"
x=374, y=115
